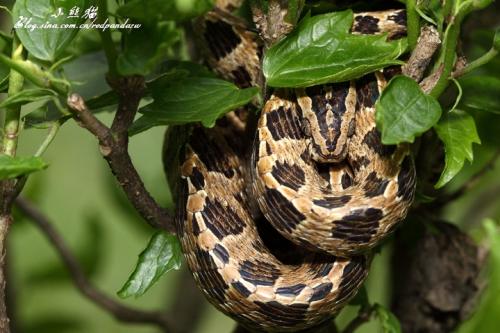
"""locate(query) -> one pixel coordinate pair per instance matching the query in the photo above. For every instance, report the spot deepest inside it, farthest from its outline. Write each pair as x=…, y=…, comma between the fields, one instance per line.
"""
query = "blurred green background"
x=79, y=195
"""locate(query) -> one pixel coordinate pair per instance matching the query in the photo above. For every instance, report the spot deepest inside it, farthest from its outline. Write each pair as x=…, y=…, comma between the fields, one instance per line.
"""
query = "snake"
x=326, y=189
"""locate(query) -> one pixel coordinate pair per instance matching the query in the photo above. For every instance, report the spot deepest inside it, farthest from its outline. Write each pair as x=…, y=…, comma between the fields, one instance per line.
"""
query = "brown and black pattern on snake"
x=229, y=47
x=233, y=264
x=233, y=51
x=235, y=268
x=302, y=205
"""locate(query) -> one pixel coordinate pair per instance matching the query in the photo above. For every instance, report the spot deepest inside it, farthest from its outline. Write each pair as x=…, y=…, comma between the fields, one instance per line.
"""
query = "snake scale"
x=319, y=173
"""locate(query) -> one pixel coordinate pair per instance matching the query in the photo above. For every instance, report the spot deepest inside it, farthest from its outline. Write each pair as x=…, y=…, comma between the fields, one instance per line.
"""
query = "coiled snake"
x=332, y=213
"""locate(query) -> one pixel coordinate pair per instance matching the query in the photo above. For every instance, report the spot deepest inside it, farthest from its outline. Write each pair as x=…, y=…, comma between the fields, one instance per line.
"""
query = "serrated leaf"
x=146, y=48
x=46, y=43
x=155, y=10
x=389, y=322
x=485, y=318
x=321, y=50
x=457, y=130
x=12, y=167
x=481, y=93
x=404, y=111
x=194, y=100
x=28, y=96
x=162, y=254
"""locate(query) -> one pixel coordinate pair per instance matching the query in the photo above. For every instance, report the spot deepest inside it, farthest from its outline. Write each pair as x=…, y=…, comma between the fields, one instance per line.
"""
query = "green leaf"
x=481, y=93
x=46, y=43
x=457, y=130
x=155, y=10
x=194, y=99
x=162, y=254
x=12, y=167
x=28, y=96
x=485, y=318
x=404, y=111
x=146, y=48
x=44, y=116
x=389, y=322
x=321, y=50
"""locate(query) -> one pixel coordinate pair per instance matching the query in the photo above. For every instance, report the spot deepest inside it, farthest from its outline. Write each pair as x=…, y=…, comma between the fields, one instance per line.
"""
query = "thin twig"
x=428, y=43
x=484, y=59
x=119, y=311
x=114, y=148
x=11, y=128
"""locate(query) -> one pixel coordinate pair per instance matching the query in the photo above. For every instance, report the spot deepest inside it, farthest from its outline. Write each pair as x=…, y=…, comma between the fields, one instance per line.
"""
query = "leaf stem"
x=106, y=39
x=13, y=113
x=482, y=60
x=48, y=139
x=413, y=23
x=448, y=55
x=35, y=74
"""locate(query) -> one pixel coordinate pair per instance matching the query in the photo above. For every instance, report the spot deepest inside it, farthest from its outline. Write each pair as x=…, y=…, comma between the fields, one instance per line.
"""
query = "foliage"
x=179, y=91
x=404, y=111
x=321, y=50
x=458, y=132
x=12, y=167
x=46, y=44
x=162, y=254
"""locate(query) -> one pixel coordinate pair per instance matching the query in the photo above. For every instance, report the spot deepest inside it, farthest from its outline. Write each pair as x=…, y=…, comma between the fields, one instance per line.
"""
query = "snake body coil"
x=342, y=209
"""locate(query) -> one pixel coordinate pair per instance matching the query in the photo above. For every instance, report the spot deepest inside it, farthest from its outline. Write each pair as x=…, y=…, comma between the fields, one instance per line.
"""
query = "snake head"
x=328, y=119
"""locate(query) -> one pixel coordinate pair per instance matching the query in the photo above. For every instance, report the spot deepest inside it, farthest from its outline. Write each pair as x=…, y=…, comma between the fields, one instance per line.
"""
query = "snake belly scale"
x=329, y=214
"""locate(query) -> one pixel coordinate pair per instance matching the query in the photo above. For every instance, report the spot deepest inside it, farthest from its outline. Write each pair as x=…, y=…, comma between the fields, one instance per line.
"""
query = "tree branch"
x=428, y=43
x=119, y=311
x=114, y=148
